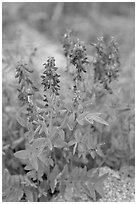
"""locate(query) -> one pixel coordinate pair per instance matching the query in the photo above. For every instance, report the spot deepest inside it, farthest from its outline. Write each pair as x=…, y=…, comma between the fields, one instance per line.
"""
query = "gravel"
x=117, y=189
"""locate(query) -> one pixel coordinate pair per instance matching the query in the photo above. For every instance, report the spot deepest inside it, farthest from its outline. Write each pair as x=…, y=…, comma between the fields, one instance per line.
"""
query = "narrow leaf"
x=71, y=121
x=62, y=176
x=90, y=120
x=81, y=122
x=72, y=142
x=74, y=148
x=54, y=173
x=52, y=178
x=22, y=154
x=43, y=128
x=83, y=115
x=95, y=117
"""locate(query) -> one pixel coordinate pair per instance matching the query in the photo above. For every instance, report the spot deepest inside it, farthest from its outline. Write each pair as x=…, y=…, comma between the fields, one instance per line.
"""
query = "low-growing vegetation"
x=62, y=124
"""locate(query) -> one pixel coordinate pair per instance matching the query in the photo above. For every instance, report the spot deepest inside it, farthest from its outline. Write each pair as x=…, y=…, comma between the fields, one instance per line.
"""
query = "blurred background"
x=30, y=26
x=41, y=25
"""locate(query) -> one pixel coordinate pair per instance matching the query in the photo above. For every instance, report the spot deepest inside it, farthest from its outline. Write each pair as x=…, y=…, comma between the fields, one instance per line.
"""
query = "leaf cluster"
x=57, y=130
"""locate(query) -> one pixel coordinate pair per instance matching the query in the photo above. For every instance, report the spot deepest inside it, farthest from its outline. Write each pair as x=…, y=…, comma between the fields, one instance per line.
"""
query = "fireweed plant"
x=59, y=130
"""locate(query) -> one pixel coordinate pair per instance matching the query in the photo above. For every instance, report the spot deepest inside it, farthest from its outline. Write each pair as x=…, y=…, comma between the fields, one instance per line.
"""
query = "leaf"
x=40, y=143
x=53, y=132
x=98, y=181
x=77, y=186
x=91, y=142
x=81, y=122
x=29, y=194
x=32, y=174
x=28, y=167
x=43, y=128
x=62, y=134
x=81, y=117
x=37, y=129
x=29, y=135
x=99, y=151
x=23, y=109
x=81, y=148
x=21, y=121
x=103, y=177
x=99, y=188
x=89, y=190
x=71, y=121
x=14, y=195
x=93, y=154
x=41, y=170
x=95, y=178
x=52, y=177
x=58, y=142
x=54, y=173
x=48, y=143
x=82, y=174
x=65, y=172
x=93, y=173
x=73, y=175
x=91, y=117
x=40, y=103
x=109, y=163
x=50, y=162
x=45, y=158
x=62, y=188
x=74, y=148
x=22, y=154
x=115, y=142
x=78, y=135
x=89, y=85
x=65, y=120
x=72, y=142
x=5, y=179
x=33, y=160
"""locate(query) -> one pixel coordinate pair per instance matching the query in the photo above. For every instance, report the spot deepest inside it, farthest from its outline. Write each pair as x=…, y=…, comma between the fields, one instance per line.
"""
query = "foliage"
x=60, y=128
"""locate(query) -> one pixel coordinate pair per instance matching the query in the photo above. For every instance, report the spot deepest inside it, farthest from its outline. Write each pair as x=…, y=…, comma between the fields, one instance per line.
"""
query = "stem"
x=51, y=114
x=71, y=162
x=54, y=156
